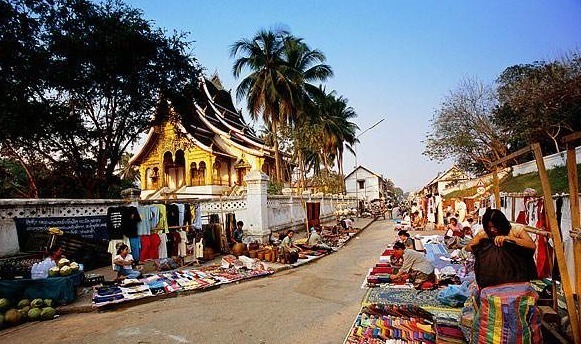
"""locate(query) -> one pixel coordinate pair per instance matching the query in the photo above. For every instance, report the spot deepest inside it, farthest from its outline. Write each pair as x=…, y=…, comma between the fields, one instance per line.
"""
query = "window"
x=361, y=184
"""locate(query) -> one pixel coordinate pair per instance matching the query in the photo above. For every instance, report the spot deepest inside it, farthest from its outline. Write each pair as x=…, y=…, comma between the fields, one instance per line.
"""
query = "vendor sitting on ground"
x=454, y=233
x=123, y=262
x=417, y=220
x=316, y=240
x=55, y=254
x=415, y=265
x=289, y=248
x=404, y=237
x=347, y=223
x=238, y=233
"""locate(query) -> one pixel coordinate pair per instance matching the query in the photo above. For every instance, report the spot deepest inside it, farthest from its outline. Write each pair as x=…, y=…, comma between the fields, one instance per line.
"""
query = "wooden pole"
x=559, y=251
x=496, y=187
x=575, y=220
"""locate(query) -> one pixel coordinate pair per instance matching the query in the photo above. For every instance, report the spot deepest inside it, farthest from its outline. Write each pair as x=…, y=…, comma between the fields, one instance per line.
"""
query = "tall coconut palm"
x=337, y=130
x=269, y=88
x=308, y=67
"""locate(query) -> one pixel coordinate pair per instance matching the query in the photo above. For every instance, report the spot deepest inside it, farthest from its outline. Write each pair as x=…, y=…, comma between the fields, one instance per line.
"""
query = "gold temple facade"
x=205, y=153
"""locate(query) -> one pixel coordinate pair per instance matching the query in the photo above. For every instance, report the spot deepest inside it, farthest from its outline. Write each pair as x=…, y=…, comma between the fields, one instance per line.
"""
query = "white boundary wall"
x=262, y=214
x=551, y=161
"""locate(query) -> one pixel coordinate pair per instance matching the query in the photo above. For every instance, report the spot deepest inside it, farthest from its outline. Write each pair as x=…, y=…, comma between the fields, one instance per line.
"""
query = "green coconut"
x=47, y=313
x=54, y=271
x=37, y=303
x=4, y=304
x=34, y=314
x=48, y=303
x=23, y=303
x=63, y=262
x=12, y=317
x=66, y=270
x=74, y=266
x=24, y=313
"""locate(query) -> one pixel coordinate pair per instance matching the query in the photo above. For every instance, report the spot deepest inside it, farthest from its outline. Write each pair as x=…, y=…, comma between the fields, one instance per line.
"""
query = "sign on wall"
x=93, y=228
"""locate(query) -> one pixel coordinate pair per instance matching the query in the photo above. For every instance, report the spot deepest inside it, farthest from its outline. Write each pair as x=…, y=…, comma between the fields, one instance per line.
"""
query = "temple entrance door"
x=240, y=174
x=175, y=177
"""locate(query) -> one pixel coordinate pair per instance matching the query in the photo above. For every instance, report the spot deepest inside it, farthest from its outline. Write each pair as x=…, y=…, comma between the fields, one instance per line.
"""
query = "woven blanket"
x=396, y=296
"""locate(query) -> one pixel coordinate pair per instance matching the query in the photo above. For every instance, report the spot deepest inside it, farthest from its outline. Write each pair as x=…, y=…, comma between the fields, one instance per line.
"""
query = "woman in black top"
x=503, y=252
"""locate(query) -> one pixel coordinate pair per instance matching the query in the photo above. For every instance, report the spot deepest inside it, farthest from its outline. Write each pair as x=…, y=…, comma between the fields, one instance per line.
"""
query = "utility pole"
x=357, y=166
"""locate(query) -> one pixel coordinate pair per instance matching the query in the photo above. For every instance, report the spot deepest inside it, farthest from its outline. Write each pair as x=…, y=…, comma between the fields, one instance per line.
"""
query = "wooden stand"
x=559, y=251
x=552, y=217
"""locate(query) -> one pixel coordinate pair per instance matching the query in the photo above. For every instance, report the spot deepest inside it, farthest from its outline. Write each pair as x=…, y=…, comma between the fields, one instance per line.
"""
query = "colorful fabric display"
x=508, y=314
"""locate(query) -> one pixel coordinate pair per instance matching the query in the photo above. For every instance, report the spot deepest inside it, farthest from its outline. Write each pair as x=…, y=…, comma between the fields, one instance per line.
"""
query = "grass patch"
x=557, y=178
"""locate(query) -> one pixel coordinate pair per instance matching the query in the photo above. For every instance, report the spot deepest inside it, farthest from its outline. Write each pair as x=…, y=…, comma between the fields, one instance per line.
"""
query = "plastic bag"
x=454, y=295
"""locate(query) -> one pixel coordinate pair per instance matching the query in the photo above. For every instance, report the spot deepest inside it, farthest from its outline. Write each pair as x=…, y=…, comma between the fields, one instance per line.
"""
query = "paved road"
x=315, y=303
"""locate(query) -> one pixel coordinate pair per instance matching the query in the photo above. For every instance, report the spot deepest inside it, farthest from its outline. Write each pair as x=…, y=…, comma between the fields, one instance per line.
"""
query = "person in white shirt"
x=124, y=263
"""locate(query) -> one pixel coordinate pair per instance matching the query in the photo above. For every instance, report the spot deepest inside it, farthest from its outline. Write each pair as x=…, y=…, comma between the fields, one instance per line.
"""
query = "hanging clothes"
x=176, y=239
x=129, y=220
x=566, y=226
x=182, y=244
x=181, y=213
x=135, y=248
x=543, y=254
x=162, y=248
x=199, y=249
x=198, y=217
x=162, y=223
x=188, y=215
x=114, y=219
x=144, y=226
x=173, y=215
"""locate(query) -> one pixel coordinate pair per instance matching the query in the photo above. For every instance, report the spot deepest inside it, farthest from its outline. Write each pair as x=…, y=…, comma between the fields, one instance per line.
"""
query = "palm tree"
x=308, y=67
x=269, y=88
x=337, y=130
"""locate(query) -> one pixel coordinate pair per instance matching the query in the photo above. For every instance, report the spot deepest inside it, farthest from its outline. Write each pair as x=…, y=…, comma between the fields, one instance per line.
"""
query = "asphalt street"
x=315, y=303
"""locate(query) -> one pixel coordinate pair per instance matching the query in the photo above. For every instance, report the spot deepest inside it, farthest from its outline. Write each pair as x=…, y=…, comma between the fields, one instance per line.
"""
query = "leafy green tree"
x=540, y=102
x=463, y=128
x=84, y=84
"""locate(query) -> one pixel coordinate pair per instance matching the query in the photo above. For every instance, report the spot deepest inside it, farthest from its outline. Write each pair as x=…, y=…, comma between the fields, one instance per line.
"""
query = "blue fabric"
x=62, y=290
x=135, y=247
x=129, y=273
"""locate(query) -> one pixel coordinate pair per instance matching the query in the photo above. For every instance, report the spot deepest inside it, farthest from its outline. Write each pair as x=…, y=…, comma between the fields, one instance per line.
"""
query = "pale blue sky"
x=393, y=59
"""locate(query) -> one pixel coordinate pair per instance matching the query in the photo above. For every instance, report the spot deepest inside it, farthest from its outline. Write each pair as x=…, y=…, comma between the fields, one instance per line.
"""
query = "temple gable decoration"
x=206, y=153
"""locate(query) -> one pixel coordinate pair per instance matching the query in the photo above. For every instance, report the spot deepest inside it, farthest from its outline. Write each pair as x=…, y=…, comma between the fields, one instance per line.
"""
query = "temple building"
x=205, y=153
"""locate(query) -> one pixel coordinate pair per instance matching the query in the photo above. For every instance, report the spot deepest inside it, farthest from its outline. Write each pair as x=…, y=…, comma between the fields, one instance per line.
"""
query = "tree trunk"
x=33, y=188
x=301, y=171
x=276, y=152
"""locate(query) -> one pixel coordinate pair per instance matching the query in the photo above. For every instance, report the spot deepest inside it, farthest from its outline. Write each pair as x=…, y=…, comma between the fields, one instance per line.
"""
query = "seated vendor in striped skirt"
x=415, y=265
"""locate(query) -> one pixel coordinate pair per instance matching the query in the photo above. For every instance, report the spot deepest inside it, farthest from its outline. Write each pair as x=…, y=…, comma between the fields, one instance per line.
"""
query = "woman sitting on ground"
x=123, y=262
x=289, y=248
x=454, y=233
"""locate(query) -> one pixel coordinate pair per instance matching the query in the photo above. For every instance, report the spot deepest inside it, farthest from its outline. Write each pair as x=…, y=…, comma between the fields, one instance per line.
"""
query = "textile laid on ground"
x=172, y=281
x=385, y=323
x=507, y=314
x=399, y=296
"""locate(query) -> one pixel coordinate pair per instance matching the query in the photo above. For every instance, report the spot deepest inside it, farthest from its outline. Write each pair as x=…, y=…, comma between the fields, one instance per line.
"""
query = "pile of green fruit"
x=63, y=268
x=26, y=310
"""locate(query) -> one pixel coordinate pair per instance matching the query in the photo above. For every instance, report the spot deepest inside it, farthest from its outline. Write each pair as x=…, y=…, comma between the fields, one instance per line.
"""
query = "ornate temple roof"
x=214, y=124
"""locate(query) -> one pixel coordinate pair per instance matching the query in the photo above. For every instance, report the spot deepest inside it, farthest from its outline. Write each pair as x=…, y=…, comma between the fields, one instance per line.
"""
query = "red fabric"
x=522, y=218
x=543, y=260
x=154, y=242
x=144, y=254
